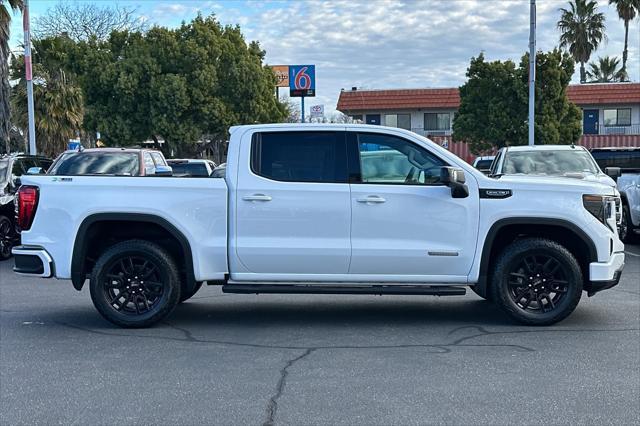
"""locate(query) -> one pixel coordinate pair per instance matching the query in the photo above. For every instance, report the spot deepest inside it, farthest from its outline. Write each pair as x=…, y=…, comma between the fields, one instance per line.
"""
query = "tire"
x=625, y=229
x=8, y=237
x=529, y=269
x=118, y=288
x=185, y=295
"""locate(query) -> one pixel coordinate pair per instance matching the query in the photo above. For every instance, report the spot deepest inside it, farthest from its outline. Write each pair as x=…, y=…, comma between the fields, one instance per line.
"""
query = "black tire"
x=625, y=229
x=8, y=237
x=185, y=295
x=120, y=273
x=529, y=269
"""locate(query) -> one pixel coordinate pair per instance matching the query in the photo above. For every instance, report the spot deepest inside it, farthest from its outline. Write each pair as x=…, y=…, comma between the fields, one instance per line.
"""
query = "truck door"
x=293, y=213
x=405, y=224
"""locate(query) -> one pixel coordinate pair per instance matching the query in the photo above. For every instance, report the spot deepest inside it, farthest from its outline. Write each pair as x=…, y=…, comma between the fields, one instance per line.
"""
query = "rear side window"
x=159, y=159
x=190, y=169
x=300, y=156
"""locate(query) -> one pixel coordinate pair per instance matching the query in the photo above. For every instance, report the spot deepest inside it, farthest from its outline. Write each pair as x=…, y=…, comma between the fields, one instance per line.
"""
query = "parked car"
x=296, y=213
x=111, y=161
x=483, y=163
x=12, y=167
x=191, y=167
x=623, y=165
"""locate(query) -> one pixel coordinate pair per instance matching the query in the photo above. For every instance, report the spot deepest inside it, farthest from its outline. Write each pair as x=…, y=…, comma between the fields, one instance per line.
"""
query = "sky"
x=379, y=44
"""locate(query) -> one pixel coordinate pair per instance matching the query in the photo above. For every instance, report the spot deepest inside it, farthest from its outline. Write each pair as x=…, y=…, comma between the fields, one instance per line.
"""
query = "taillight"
x=26, y=205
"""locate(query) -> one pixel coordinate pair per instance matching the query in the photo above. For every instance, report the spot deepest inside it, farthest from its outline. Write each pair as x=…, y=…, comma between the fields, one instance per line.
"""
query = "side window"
x=149, y=166
x=389, y=159
x=300, y=156
x=159, y=159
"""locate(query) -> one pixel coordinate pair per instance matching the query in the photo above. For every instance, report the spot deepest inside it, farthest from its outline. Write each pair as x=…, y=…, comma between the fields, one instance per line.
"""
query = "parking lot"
x=308, y=359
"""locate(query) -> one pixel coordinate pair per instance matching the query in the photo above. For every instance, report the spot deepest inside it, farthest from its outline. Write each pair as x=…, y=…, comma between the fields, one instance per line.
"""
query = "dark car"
x=110, y=161
x=12, y=167
x=191, y=167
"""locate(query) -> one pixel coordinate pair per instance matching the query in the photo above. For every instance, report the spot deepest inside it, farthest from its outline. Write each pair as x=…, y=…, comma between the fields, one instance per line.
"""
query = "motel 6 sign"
x=302, y=80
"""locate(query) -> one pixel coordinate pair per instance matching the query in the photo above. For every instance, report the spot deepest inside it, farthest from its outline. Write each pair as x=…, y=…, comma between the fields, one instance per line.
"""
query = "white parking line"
x=632, y=254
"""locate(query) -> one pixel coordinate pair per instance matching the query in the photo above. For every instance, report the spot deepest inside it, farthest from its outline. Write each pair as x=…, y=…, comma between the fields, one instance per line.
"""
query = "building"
x=611, y=112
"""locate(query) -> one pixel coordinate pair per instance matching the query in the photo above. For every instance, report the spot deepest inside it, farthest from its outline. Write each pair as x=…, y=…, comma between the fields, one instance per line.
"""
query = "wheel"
x=536, y=281
x=135, y=283
x=184, y=295
x=625, y=229
x=8, y=237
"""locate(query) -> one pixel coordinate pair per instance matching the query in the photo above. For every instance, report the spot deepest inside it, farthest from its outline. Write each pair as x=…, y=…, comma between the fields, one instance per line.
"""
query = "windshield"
x=555, y=163
x=4, y=165
x=96, y=163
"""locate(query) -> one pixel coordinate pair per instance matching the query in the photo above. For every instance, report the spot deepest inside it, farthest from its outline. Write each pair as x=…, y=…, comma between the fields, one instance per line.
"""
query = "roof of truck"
x=545, y=147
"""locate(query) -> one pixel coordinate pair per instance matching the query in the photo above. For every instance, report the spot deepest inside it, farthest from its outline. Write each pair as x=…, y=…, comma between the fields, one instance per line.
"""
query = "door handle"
x=257, y=197
x=371, y=199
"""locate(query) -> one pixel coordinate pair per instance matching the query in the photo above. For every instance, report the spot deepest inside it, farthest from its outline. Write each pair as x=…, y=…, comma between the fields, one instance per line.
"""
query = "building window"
x=402, y=121
x=437, y=121
x=617, y=117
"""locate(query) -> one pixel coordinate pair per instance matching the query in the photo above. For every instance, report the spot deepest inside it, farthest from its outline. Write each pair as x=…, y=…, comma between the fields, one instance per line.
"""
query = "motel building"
x=610, y=112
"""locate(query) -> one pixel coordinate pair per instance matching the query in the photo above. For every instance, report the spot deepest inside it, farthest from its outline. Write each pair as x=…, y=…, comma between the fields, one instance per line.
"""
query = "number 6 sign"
x=302, y=80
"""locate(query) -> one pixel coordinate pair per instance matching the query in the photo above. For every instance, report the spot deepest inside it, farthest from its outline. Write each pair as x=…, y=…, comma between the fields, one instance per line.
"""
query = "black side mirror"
x=455, y=179
x=613, y=172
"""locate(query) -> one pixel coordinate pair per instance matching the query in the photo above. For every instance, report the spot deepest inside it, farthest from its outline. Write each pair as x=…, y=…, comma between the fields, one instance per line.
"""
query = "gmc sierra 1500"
x=341, y=209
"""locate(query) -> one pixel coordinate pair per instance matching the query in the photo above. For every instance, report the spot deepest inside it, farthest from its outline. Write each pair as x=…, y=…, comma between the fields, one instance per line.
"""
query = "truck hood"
x=554, y=183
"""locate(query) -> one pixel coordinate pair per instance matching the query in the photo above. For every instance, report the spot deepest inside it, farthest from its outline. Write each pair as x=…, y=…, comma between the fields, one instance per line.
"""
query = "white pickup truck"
x=325, y=209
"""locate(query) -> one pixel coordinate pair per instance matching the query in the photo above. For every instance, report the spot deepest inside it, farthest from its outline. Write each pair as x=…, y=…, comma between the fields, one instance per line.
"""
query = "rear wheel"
x=8, y=237
x=135, y=284
x=537, y=281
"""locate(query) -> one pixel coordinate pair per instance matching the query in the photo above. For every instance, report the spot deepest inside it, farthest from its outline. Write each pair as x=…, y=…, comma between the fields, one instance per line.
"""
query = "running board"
x=344, y=289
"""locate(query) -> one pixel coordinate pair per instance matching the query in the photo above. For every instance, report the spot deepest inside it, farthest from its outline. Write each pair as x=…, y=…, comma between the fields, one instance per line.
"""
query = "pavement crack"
x=272, y=406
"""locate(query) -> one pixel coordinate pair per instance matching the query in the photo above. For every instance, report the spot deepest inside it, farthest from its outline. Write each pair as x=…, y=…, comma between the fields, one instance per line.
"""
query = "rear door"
x=293, y=212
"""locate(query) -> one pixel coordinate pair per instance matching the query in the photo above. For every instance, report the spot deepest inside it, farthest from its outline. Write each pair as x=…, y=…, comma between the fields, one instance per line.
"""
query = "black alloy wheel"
x=135, y=283
x=536, y=281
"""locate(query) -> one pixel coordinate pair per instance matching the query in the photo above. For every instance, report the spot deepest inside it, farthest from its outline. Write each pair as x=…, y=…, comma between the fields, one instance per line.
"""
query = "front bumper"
x=32, y=261
x=604, y=275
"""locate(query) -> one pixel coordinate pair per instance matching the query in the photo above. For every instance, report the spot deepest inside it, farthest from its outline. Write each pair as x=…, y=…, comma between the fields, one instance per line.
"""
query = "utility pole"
x=29, y=77
x=532, y=70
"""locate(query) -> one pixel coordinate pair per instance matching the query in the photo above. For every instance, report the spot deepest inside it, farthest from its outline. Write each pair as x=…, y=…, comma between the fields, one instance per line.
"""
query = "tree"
x=605, y=71
x=627, y=10
x=86, y=21
x=493, y=103
x=58, y=100
x=6, y=8
x=582, y=30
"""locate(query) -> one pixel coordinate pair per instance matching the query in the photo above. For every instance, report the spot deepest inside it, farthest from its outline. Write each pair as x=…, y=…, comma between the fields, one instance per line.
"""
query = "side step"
x=344, y=289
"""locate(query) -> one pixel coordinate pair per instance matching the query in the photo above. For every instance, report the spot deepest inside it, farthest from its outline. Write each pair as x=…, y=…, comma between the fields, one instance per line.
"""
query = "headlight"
x=602, y=207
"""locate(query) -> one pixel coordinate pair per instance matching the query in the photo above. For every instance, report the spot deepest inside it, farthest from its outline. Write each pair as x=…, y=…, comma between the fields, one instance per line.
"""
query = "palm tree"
x=627, y=10
x=605, y=71
x=582, y=30
x=6, y=7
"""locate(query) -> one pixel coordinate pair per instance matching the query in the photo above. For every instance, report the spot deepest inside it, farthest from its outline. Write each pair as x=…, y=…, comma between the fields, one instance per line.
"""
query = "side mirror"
x=35, y=171
x=455, y=179
x=613, y=172
x=163, y=171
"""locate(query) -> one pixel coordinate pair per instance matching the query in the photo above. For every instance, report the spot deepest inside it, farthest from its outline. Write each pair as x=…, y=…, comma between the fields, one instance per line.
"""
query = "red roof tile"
x=449, y=98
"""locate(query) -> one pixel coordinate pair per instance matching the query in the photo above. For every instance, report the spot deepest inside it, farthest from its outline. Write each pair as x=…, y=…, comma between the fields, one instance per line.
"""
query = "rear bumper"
x=604, y=275
x=32, y=261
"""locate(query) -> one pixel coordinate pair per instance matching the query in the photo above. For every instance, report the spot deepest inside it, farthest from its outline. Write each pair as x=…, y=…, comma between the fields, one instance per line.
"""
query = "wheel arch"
x=156, y=226
x=505, y=231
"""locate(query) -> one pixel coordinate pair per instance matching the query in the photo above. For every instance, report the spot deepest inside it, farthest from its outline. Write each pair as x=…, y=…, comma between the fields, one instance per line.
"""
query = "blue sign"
x=302, y=80
x=73, y=145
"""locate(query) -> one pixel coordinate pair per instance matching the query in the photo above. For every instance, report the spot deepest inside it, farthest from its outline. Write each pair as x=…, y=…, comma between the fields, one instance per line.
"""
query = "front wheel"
x=135, y=283
x=537, y=281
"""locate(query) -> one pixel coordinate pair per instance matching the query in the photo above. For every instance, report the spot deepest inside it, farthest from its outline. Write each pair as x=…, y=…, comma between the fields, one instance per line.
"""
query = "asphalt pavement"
x=315, y=359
